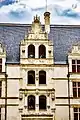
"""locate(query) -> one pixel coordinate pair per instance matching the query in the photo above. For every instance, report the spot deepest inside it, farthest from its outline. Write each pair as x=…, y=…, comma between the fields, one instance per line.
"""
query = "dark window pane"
x=76, y=116
x=78, y=84
x=73, y=68
x=78, y=92
x=73, y=61
x=0, y=68
x=75, y=109
x=78, y=68
x=78, y=61
x=74, y=84
x=31, y=102
x=0, y=92
x=42, y=102
x=74, y=92
x=0, y=61
x=31, y=77
x=79, y=109
x=42, y=51
x=42, y=77
x=0, y=87
x=31, y=51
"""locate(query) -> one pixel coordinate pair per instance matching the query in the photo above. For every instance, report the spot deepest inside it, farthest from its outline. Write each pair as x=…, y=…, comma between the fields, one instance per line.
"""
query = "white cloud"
x=27, y=9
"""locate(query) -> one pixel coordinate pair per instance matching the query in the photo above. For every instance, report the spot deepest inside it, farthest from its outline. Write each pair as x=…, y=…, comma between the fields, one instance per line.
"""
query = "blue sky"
x=22, y=11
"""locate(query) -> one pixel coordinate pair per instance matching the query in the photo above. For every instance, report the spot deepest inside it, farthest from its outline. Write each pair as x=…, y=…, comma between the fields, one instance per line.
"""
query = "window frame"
x=0, y=65
x=32, y=96
x=75, y=66
x=0, y=88
x=42, y=54
x=76, y=89
x=44, y=105
x=31, y=46
x=33, y=74
x=40, y=77
x=76, y=113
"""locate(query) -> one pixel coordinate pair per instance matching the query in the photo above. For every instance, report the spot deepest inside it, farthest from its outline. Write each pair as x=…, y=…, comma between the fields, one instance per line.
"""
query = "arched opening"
x=42, y=102
x=42, y=77
x=31, y=51
x=31, y=102
x=42, y=51
x=31, y=77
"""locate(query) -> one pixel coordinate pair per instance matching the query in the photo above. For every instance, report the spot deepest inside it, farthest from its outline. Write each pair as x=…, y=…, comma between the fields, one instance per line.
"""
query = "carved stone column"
x=37, y=101
x=48, y=102
x=26, y=101
x=37, y=82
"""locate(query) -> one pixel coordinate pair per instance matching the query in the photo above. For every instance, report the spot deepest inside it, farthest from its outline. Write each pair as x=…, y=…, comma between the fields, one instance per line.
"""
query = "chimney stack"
x=47, y=21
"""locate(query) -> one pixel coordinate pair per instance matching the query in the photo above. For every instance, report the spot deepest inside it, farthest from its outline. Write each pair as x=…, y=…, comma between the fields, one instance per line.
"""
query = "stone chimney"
x=47, y=21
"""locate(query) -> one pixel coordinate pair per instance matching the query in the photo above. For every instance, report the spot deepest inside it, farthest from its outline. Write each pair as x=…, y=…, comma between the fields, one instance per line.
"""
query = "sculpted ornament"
x=37, y=91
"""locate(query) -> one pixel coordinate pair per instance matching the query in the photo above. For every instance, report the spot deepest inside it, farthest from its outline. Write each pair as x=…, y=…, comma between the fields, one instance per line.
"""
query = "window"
x=76, y=89
x=31, y=51
x=31, y=102
x=31, y=77
x=0, y=88
x=42, y=51
x=75, y=66
x=76, y=113
x=0, y=65
x=42, y=102
x=42, y=77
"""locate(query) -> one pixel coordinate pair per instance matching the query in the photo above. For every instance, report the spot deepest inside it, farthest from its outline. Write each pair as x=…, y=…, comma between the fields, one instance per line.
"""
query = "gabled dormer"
x=74, y=59
x=36, y=48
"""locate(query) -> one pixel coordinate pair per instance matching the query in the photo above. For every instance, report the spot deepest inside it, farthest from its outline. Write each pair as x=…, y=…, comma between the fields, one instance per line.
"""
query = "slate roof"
x=63, y=36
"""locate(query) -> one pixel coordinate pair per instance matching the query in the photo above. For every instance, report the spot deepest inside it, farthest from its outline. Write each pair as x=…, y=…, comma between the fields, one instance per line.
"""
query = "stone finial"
x=36, y=19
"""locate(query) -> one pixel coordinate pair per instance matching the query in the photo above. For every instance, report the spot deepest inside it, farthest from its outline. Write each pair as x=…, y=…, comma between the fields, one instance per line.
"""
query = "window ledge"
x=76, y=97
x=41, y=110
x=31, y=84
x=74, y=72
x=42, y=84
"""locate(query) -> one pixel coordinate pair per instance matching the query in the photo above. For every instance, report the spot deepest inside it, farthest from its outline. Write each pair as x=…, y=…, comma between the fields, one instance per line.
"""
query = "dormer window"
x=75, y=66
x=31, y=51
x=42, y=51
